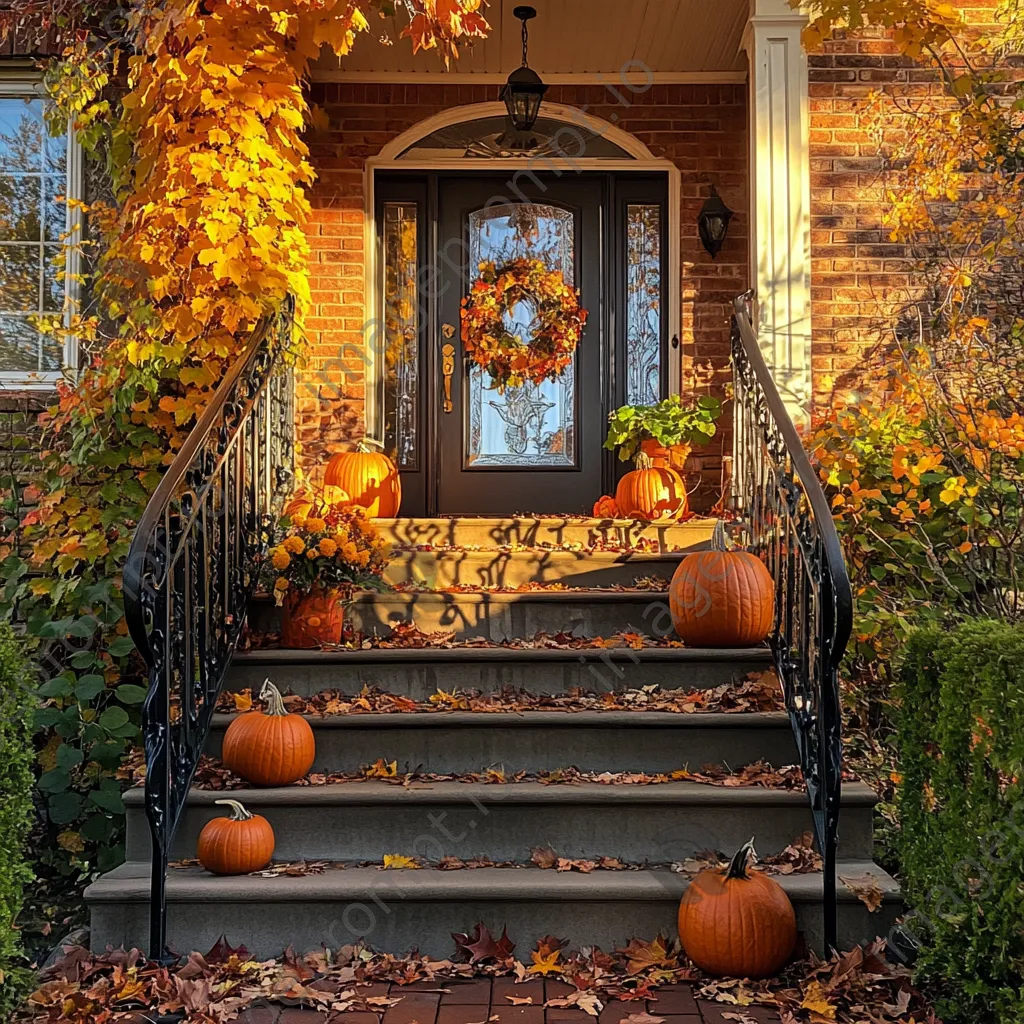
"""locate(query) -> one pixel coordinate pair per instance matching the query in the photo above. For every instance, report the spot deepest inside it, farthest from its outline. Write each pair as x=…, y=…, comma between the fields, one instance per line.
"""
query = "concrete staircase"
x=347, y=824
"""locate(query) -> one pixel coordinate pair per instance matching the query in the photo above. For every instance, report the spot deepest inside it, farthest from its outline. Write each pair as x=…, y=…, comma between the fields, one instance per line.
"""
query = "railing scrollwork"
x=192, y=569
x=784, y=518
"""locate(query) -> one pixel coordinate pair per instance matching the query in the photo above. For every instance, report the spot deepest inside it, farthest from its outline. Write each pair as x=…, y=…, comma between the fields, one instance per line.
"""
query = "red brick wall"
x=701, y=128
x=858, y=275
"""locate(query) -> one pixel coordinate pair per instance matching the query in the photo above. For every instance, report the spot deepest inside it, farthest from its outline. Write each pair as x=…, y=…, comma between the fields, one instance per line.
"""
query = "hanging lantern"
x=713, y=223
x=523, y=92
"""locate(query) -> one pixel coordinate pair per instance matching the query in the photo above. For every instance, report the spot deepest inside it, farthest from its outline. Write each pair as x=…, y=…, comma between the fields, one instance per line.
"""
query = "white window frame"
x=19, y=82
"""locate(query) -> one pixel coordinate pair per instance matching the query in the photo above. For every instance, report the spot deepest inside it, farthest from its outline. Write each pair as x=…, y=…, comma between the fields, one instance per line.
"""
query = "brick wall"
x=859, y=277
x=701, y=128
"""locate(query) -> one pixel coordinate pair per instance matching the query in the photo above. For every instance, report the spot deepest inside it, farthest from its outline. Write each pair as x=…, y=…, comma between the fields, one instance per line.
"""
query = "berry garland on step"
x=558, y=325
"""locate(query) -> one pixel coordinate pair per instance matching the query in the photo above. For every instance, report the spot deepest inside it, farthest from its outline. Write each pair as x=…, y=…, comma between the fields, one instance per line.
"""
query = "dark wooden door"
x=536, y=448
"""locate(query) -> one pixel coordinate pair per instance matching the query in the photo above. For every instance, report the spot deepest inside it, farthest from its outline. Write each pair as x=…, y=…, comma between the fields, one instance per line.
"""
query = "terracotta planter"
x=312, y=620
x=658, y=454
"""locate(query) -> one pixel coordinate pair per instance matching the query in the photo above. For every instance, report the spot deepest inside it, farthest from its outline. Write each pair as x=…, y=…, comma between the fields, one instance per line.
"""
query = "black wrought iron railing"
x=192, y=568
x=785, y=519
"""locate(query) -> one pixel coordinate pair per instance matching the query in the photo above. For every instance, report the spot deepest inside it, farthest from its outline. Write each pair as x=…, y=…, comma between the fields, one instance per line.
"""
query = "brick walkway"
x=484, y=1001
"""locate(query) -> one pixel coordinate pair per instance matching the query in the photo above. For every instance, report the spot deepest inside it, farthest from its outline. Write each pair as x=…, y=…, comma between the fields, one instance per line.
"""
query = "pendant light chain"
x=526, y=39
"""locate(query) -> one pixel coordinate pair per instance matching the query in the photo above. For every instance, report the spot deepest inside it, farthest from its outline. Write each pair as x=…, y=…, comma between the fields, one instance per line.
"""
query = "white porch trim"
x=780, y=196
x=641, y=160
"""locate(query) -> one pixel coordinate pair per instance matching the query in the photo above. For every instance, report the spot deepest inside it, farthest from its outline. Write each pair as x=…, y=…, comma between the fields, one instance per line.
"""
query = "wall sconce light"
x=713, y=223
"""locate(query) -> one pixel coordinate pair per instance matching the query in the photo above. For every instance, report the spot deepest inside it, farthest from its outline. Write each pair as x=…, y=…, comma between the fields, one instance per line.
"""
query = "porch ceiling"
x=674, y=38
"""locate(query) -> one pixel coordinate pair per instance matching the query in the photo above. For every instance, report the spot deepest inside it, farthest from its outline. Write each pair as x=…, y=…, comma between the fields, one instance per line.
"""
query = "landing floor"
x=484, y=1001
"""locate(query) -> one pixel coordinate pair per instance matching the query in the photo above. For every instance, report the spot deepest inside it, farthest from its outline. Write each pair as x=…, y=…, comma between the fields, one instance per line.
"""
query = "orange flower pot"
x=658, y=454
x=315, y=619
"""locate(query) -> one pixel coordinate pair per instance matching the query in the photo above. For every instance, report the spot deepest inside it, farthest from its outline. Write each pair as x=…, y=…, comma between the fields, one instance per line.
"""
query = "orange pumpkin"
x=605, y=508
x=651, y=492
x=737, y=923
x=269, y=748
x=365, y=478
x=722, y=599
x=236, y=845
x=300, y=505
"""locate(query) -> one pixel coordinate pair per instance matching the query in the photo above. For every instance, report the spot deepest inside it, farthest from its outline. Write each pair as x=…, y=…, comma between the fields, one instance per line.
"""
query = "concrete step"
x=360, y=821
x=499, y=617
x=398, y=910
x=418, y=673
x=537, y=565
x=470, y=531
x=466, y=741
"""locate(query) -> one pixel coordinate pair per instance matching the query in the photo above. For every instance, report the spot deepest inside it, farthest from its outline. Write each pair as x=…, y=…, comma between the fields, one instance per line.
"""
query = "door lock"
x=447, y=368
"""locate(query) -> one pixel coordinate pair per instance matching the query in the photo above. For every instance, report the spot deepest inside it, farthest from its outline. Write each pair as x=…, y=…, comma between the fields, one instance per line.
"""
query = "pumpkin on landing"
x=651, y=492
x=366, y=478
x=236, y=845
x=269, y=748
x=737, y=923
x=722, y=599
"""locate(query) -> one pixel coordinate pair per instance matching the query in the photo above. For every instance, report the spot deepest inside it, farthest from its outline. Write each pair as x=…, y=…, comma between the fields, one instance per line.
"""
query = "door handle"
x=447, y=368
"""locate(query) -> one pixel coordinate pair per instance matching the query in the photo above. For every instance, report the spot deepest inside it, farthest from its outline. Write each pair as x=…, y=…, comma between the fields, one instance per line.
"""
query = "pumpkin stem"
x=272, y=695
x=643, y=460
x=238, y=812
x=739, y=864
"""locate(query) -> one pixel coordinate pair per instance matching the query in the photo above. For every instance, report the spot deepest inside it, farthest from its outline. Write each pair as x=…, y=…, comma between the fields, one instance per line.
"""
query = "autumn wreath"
x=557, y=323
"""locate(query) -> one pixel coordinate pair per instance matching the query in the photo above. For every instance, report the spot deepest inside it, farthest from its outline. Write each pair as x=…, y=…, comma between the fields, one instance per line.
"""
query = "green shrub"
x=16, y=783
x=961, y=744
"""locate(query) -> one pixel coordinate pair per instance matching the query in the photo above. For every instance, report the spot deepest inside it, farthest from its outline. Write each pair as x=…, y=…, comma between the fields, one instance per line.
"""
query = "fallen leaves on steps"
x=758, y=691
x=799, y=857
x=211, y=774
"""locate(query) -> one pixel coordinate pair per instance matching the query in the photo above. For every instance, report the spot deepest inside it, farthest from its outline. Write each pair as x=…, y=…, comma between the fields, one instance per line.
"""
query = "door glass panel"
x=535, y=425
x=643, y=304
x=401, y=335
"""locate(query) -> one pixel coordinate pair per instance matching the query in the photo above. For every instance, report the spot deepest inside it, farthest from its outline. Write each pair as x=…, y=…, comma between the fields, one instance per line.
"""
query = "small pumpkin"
x=269, y=748
x=722, y=599
x=605, y=508
x=737, y=923
x=366, y=478
x=236, y=845
x=651, y=492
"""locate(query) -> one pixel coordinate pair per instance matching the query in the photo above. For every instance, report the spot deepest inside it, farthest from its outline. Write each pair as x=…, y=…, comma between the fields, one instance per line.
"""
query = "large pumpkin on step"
x=722, y=599
x=367, y=478
x=737, y=923
x=236, y=845
x=269, y=748
x=650, y=492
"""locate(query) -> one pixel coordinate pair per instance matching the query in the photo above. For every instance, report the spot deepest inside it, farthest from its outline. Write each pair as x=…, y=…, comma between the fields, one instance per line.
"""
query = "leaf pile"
x=759, y=691
x=645, y=584
x=797, y=858
x=212, y=774
x=406, y=635
x=121, y=987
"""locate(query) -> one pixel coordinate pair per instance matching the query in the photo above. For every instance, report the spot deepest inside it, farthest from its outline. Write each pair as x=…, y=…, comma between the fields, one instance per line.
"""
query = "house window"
x=36, y=172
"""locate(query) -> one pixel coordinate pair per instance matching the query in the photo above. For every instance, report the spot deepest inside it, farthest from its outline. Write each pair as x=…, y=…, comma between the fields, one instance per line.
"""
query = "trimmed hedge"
x=16, y=784
x=961, y=745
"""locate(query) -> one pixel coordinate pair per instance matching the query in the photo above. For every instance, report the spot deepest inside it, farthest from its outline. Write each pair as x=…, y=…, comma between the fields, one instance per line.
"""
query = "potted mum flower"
x=323, y=552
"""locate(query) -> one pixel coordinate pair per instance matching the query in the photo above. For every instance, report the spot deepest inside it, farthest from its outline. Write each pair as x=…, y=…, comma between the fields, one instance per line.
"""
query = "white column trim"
x=780, y=191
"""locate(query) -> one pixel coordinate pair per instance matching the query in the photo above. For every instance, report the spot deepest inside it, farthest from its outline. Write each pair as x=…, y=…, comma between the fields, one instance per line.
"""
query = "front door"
x=537, y=448
x=460, y=446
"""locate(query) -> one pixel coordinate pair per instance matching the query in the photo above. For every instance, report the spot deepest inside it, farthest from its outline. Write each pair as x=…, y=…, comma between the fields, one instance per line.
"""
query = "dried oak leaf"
x=866, y=888
x=481, y=945
x=643, y=956
x=642, y=1018
x=543, y=856
x=222, y=951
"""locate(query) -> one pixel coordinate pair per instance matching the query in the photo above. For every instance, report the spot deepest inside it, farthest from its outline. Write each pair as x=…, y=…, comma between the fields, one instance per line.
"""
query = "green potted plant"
x=658, y=438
